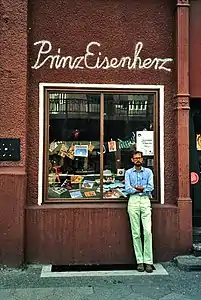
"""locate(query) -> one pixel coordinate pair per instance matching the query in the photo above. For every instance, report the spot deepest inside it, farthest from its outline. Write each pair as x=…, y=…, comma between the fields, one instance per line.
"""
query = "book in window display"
x=90, y=194
x=57, y=192
x=76, y=178
x=75, y=194
x=88, y=184
x=113, y=194
x=52, y=177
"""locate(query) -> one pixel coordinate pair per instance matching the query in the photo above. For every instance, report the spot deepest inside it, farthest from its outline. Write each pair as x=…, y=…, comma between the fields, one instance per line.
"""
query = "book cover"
x=90, y=194
x=75, y=194
x=87, y=184
x=59, y=190
x=76, y=179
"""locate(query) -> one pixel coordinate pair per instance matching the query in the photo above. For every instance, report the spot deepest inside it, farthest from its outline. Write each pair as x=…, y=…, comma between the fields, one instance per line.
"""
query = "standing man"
x=139, y=185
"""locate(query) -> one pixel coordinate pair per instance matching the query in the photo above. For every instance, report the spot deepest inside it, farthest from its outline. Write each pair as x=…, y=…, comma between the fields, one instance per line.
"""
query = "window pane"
x=127, y=119
x=74, y=145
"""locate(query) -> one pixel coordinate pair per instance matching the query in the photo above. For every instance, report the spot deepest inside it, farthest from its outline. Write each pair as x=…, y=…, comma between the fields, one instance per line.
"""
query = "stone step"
x=197, y=234
x=196, y=238
x=188, y=262
x=196, y=230
x=197, y=249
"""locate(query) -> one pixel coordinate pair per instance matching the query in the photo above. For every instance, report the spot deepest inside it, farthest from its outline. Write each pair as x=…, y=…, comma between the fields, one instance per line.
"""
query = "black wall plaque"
x=9, y=149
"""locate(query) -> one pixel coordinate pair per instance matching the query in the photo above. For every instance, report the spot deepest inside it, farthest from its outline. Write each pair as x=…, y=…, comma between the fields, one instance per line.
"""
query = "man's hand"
x=139, y=188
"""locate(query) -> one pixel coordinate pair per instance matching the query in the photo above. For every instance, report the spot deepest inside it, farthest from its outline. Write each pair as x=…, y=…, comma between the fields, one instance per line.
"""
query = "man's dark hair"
x=137, y=152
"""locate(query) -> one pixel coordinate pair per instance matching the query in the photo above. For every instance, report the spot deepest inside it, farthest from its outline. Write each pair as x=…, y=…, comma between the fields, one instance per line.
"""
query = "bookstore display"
x=74, y=146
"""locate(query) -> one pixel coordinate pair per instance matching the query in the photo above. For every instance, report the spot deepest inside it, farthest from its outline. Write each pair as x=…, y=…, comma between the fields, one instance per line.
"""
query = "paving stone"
x=197, y=249
x=134, y=296
x=175, y=296
x=73, y=293
x=197, y=246
x=5, y=294
x=28, y=285
x=154, y=291
x=118, y=292
x=69, y=293
x=104, y=295
x=188, y=262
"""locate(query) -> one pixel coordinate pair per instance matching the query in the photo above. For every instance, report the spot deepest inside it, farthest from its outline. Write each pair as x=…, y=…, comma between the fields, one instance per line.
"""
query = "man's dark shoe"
x=148, y=268
x=140, y=268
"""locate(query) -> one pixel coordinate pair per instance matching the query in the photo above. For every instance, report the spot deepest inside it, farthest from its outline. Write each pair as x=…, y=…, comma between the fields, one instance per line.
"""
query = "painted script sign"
x=93, y=58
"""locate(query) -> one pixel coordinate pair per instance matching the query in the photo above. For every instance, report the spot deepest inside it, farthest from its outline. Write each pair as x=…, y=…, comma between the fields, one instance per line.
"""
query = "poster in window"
x=70, y=152
x=112, y=146
x=145, y=142
x=81, y=150
x=198, y=142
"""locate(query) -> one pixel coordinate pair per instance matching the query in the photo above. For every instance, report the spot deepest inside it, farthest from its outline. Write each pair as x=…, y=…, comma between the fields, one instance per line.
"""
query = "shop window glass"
x=74, y=146
x=78, y=168
x=128, y=126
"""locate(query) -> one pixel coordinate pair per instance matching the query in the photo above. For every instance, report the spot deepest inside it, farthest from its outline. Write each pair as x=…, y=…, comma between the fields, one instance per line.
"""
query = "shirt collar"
x=134, y=169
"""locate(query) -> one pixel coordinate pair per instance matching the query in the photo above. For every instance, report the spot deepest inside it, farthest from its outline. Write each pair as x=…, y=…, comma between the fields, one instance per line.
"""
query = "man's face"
x=137, y=160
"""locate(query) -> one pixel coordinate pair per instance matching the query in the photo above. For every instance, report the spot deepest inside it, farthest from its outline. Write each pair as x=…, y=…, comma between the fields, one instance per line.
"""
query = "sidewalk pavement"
x=26, y=284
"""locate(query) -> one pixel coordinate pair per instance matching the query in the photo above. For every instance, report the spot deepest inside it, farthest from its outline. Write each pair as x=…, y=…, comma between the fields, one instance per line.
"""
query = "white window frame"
x=42, y=87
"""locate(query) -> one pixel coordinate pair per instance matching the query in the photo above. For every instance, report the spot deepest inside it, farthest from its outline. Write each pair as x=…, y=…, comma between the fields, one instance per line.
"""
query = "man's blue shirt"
x=143, y=177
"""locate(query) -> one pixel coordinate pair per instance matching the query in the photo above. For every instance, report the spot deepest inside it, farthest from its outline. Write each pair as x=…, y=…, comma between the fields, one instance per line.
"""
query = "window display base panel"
x=100, y=235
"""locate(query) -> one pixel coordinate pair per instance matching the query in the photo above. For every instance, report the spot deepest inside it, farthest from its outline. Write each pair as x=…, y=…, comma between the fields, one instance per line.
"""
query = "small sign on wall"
x=9, y=149
x=194, y=178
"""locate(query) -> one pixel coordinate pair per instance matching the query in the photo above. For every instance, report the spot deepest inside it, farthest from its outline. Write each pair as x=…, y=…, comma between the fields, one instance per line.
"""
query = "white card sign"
x=145, y=142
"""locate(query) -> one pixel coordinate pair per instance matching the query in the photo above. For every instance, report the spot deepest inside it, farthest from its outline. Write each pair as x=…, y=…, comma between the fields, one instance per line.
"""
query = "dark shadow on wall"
x=195, y=160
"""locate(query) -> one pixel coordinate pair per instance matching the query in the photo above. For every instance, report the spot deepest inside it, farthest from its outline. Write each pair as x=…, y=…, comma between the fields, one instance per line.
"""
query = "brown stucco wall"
x=13, y=72
x=117, y=26
x=195, y=49
x=13, y=114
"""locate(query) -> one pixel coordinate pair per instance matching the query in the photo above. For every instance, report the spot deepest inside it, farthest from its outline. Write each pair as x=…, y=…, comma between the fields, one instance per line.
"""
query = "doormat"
x=97, y=271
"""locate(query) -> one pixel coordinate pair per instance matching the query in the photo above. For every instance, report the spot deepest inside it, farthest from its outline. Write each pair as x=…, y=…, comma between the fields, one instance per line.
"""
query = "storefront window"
x=126, y=118
x=90, y=139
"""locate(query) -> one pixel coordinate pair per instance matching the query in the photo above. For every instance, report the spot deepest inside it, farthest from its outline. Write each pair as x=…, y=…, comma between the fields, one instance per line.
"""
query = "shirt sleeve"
x=128, y=188
x=150, y=182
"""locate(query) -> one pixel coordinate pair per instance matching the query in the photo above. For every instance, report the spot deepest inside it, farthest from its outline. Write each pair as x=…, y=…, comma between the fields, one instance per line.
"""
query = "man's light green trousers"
x=140, y=207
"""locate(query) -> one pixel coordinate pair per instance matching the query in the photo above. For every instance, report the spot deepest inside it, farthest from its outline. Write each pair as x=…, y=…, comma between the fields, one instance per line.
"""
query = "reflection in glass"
x=74, y=145
x=74, y=142
x=125, y=115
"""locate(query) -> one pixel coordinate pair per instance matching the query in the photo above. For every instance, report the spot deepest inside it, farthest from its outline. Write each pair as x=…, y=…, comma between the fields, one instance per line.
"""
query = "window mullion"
x=101, y=143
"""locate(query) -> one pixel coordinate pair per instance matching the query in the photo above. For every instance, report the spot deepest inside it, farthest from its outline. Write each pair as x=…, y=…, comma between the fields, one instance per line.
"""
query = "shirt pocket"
x=144, y=181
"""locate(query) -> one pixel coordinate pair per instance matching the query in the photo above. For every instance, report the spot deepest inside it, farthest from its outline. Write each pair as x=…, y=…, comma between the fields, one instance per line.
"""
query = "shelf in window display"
x=84, y=193
x=86, y=175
